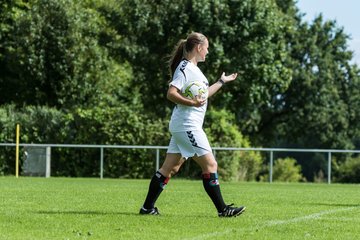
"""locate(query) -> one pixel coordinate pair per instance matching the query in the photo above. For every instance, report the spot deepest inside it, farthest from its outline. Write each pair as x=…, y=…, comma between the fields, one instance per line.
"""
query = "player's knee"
x=165, y=172
x=213, y=166
x=175, y=170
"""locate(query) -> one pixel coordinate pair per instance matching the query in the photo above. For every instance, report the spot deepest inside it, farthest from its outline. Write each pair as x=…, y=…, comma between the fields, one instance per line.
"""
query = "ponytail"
x=176, y=56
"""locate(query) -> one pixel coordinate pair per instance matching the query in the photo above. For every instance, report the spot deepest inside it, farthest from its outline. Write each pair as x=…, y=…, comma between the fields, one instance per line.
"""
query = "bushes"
x=127, y=125
x=222, y=132
x=349, y=171
x=113, y=125
x=285, y=170
x=121, y=125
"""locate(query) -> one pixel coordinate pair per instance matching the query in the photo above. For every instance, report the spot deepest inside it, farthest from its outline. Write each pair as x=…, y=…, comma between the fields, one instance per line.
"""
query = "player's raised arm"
x=223, y=80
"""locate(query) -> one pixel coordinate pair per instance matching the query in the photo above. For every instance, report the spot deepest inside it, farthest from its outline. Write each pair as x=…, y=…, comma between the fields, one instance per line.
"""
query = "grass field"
x=60, y=208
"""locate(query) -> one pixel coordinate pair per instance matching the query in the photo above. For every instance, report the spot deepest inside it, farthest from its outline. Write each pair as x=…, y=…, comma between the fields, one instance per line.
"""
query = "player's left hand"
x=228, y=78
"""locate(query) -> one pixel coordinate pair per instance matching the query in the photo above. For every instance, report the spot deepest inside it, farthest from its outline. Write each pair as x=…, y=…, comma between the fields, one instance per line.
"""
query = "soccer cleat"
x=230, y=211
x=151, y=211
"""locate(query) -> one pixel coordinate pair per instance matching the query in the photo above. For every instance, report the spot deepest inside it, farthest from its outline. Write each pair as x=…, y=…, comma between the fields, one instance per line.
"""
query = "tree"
x=9, y=11
x=55, y=59
x=318, y=110
x=319, y=97
x=244, y=36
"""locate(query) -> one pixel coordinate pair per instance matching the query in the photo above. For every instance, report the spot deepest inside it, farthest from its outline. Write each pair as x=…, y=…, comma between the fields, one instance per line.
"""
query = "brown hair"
x=183, y=47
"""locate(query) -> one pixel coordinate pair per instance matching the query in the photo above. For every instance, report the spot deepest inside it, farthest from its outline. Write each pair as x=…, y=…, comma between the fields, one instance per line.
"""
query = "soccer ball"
x=195, y=88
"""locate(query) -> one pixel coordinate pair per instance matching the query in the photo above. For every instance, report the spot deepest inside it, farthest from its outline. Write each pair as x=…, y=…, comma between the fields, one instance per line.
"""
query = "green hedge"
x=222, y=132
x=122, y=125
x=285, y=170
x=348, y=171
x=113, y=125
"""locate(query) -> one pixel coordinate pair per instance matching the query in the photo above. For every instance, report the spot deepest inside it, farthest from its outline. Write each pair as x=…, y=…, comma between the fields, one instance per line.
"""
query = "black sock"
x=157, y=185
x=212, y=187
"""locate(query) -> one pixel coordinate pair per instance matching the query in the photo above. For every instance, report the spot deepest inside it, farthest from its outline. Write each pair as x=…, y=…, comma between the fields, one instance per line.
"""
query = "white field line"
x=308, y=217
x=277, y=222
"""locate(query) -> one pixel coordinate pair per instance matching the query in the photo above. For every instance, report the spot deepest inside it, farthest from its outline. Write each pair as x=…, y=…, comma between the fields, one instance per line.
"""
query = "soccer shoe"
x=230, y=211
x=151, y=211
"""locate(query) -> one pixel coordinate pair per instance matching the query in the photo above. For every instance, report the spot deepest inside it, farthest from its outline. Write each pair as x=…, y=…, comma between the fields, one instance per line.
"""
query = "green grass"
x=60, y=208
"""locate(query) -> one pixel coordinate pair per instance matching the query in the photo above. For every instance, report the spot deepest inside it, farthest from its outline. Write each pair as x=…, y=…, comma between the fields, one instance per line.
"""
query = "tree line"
x=95, y=72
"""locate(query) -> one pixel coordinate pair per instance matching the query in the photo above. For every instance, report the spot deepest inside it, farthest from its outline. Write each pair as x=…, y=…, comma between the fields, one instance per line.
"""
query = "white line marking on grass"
x=308, y=217
x=277, y=222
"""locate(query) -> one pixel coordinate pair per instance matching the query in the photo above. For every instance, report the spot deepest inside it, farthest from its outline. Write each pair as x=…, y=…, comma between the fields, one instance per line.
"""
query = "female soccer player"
x=188, y=138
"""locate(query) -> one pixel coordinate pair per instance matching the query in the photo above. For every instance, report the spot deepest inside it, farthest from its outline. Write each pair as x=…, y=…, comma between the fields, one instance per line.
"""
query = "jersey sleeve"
x=178, y=80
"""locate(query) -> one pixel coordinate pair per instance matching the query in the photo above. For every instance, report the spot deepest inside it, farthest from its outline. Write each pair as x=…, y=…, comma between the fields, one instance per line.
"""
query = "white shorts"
x=189, y=143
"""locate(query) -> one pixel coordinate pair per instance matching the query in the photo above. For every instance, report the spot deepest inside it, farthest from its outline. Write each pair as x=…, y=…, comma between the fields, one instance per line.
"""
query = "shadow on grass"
x=336, y=204
x=86, y=213
x=104, y=213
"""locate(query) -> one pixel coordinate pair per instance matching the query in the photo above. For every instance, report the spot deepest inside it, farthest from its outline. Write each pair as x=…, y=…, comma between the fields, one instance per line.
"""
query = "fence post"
x=157, y=159
x=17, y=150
x=48, y=162
x=101, y=162
x=329, y=167
x=271, y=166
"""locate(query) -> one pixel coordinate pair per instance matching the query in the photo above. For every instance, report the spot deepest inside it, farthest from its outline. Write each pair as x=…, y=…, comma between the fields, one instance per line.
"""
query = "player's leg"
x=211, y=184
x=171, y=165
x=210, y=179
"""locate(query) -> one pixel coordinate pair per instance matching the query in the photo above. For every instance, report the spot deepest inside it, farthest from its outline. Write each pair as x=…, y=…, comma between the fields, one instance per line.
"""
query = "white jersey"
x=187, y=118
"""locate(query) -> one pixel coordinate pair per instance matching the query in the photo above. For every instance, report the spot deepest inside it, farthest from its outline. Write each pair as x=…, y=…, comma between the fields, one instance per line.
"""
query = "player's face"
x=203, y=50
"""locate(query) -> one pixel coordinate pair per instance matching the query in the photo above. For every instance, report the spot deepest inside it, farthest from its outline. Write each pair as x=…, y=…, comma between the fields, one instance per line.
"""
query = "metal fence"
x=271, y=151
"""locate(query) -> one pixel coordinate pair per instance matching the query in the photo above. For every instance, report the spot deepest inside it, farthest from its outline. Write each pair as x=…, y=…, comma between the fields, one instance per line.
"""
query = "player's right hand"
x=198, y=101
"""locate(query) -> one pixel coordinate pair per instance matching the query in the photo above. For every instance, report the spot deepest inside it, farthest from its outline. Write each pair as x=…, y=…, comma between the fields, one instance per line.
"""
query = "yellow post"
x=17, y=150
